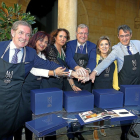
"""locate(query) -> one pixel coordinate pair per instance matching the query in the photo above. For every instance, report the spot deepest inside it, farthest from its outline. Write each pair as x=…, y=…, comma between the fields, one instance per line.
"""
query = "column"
x=67, y=16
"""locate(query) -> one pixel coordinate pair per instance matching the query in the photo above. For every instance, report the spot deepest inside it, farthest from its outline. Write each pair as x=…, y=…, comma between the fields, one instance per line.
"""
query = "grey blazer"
x=118, y=52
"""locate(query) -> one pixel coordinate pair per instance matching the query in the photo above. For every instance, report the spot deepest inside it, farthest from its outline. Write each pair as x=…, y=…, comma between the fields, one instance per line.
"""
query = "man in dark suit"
x=16, y=62
x=81, y=55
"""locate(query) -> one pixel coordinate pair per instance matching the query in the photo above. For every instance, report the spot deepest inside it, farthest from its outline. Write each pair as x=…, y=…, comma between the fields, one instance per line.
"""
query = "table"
x=70, y=118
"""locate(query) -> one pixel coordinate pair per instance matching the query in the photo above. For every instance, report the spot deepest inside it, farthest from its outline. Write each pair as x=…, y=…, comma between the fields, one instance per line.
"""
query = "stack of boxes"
x=53, y=99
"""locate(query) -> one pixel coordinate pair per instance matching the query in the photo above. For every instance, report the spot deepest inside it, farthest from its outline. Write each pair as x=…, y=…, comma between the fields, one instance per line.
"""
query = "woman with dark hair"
x=38, y=42
x=108, y=78
x=55, y=52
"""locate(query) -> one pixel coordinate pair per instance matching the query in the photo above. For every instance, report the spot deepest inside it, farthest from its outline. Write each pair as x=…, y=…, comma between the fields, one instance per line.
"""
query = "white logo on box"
x=49, y=101
x=136, y=96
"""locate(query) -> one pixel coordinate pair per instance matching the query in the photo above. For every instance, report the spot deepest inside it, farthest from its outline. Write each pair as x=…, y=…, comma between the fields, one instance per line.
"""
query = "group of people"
x=51, y=60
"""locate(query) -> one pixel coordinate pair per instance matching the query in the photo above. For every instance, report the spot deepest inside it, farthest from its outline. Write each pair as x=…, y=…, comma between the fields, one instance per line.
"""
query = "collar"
x=63, y=53
x=127, y=45
x=78, y=44
x=13, y=46
x=39, y=54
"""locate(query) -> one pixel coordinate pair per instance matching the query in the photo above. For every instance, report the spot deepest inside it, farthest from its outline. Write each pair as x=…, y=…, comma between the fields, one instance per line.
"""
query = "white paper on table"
x=123, y=115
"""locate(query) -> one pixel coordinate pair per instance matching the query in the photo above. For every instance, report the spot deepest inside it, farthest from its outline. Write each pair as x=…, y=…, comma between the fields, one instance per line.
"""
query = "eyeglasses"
x=22, y=33
x=80, y=33
x=122, y=36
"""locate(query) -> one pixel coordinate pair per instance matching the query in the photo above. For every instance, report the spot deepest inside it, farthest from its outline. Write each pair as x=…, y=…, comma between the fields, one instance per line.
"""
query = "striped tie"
x=15, y=58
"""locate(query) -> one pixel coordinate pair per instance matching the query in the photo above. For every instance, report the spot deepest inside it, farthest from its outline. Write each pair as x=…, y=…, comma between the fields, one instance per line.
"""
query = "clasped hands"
x=81, y=74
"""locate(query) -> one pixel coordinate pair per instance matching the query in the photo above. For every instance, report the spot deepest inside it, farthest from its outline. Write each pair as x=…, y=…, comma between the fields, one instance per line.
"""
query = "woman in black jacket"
x=55, y=52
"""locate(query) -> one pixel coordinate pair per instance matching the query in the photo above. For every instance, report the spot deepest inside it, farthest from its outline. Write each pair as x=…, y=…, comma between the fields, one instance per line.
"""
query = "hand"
x=74, y=75
x=81, y=71
x=60, y=71
x=75, y=88
x=92, y=76
x=85, y=79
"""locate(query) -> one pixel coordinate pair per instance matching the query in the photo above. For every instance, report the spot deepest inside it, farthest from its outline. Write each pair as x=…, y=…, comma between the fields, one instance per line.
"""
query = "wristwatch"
x=89, y=71
x=55, y=74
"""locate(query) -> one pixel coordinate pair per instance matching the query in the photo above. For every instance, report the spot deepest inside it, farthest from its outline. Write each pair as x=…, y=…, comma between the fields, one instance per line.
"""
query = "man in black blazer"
x=16, y=62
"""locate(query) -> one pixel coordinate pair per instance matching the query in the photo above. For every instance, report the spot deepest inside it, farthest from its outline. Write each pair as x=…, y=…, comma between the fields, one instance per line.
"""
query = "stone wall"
x=104, y=16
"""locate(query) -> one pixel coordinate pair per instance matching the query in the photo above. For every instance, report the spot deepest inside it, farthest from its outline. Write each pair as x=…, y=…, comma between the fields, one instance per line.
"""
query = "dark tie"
x=81, y=48
x=128, y=49
x=15, y=58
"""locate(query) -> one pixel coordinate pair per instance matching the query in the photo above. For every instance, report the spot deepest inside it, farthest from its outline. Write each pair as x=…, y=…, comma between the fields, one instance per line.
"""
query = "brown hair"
x=99, y=41
x=55, y=33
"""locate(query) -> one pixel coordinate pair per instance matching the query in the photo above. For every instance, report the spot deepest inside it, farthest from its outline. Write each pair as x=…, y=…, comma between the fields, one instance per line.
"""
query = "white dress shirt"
x=78, y=44
x=34, y=71
x=38, y=71
x=131, y=47
x=12, y=52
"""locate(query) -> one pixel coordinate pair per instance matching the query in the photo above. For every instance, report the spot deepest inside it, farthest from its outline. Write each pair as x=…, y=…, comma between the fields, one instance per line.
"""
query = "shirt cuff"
x=96, y=72
x=40, y=72
x=70, y=71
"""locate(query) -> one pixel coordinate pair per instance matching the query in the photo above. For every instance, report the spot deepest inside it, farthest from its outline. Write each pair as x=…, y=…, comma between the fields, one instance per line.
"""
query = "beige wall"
x=104, y=16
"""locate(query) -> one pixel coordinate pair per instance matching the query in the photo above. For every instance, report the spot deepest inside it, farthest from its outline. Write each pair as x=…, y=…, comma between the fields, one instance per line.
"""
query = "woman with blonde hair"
x=108, y=78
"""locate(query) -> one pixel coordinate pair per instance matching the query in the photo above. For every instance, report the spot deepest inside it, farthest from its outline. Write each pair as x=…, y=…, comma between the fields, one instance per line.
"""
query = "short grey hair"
x=21, y=22
x=124, y=28
x=82, y=26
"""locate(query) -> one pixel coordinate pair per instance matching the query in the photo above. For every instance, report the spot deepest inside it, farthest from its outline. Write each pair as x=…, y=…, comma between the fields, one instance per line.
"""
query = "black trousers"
x=50, y=138
x=125, y=126
x=125, y=129
x=18, y=134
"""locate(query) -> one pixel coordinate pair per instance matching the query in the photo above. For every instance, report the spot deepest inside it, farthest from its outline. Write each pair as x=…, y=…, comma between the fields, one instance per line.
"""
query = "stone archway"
x=82, y=13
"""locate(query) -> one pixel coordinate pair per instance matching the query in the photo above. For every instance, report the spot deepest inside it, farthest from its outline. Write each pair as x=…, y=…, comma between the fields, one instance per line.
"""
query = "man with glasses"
x=81, y=56
x=126, y=52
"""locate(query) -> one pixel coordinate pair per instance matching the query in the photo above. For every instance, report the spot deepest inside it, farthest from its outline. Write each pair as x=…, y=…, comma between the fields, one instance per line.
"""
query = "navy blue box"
x=108, y=98
x=131, y=94
x=46, y=100
x=46, y=125
x=78, y=101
